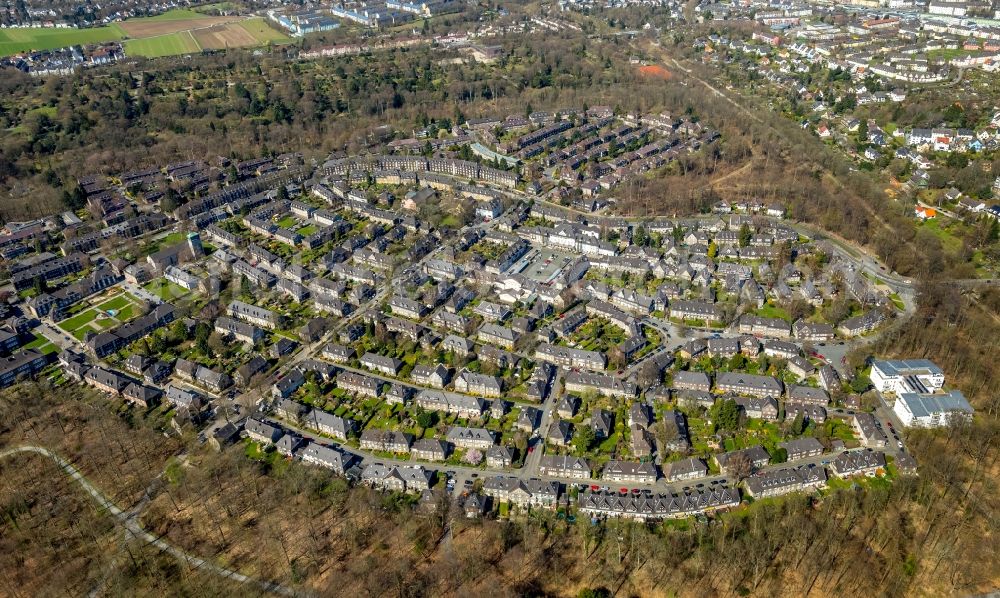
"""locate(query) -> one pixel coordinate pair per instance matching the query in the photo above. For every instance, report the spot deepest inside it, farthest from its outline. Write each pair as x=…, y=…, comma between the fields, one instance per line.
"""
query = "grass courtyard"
x=96, y=314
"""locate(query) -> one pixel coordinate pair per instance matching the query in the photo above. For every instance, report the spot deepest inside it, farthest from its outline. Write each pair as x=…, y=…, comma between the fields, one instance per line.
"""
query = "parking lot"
x=545, y=264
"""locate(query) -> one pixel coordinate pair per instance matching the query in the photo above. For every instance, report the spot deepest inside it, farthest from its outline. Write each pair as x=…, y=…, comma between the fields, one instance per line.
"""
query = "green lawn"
x=126, y=313
x=164, y=289
x=177, y=14
x=117, y=303
x=38, y=342
x=263, y=32
x=773, y=311
x=173, y=238
x=288, y=221
x=81, y=333
x=936, y=226
x=171, y=44
x=78, y=320
x=897, y=301
x=22, y=39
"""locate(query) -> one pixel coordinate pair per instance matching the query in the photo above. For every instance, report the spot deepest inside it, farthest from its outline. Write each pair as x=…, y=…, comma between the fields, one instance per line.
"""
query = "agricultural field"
x=172, y=33
x=171, y=22
x=171, y=44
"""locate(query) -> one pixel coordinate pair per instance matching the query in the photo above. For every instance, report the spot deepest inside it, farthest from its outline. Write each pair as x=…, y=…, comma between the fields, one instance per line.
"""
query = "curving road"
x=128, y=520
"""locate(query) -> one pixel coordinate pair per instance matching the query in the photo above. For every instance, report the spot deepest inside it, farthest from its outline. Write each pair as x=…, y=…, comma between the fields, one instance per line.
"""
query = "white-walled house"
x=907, y=376
x=931, y=410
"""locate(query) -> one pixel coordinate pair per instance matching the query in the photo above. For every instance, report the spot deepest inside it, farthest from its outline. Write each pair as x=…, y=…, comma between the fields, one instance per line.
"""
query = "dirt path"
x=126, y=519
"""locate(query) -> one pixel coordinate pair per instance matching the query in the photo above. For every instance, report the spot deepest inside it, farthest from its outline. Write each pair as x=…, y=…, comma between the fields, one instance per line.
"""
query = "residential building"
x=689, y=380
x=429, y=449
x=258, y=316
x=555, y=466
x=656, y=506
x=785, y=481
x=471, y=438
x=685, y=469
x=630, y=471
x=906, y=376
x=756, y=455
x=932, y=410
x=859, y=462
x=749, y=384
x=522, y=493
x=385, y=441
x=481, y=384
x=802, y=448
x=389, y=366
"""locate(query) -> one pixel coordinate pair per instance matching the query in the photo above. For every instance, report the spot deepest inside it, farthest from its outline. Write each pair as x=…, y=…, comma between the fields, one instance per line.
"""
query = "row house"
x=860, y=462
x=409, y=478
x=385, y=441
x=802, y=448
x=750, y=324
x=389, y=366
x=659, y=506
x=106, y=343
x=498, y=335
x=809, y=412
x=689, y=380
x=571, y=358
x=257, y=316
x=359, y=384
x=556, y=466
x=332, y=458
x=407, y=308
x=436, y=376
x=202, y=376
x=690, y=468
x=327, y=423
x=755, y=455
x=785, y=481
x=601, y=383
x=258, y=277
x=462, y=406
x=471, y=438
x=749, y=384
x=630, y=471
x=430, y=449
x=522, y=493
x=481, y=384
x=694, y=310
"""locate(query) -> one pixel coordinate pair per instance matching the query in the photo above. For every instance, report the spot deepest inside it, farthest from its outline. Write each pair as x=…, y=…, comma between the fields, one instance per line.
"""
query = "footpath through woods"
x=133, y=527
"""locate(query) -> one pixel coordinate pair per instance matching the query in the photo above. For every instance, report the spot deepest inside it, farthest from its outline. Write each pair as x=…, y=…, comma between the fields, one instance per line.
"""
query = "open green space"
x=177, y=14
x=42, y=344
x=23, y=39
x=171, y=44
x=117, y=303
x=164, y=289
x=173, y=238
x=288, y=221
x=78, y=320
x=263, y=32
x=940, y=230
x=773, y=311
